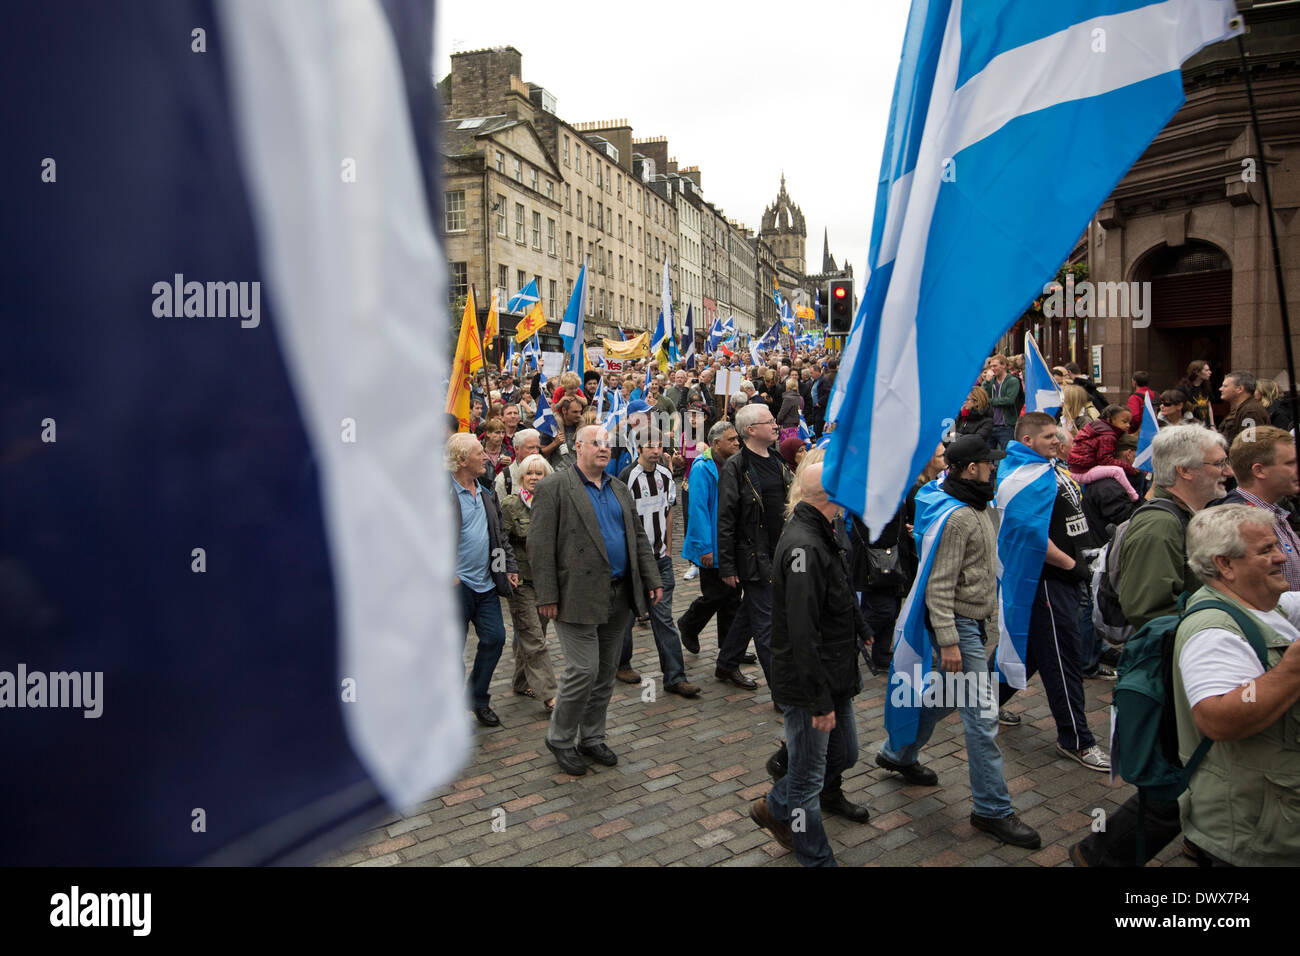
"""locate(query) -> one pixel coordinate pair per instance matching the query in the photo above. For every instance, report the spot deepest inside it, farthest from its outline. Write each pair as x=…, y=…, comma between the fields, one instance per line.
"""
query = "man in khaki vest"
x=1242, y=807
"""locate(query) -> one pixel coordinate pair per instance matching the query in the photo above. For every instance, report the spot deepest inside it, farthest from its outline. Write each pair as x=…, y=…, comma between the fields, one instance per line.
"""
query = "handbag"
x=884, y=569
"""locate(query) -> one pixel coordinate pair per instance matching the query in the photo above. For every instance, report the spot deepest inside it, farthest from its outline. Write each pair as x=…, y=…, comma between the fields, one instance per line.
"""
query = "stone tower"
x=784, y=230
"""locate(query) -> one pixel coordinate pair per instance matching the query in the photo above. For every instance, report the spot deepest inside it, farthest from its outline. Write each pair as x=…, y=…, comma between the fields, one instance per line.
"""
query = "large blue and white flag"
x=571, y=329
x=768, y=342
x=233, y=551
x=689, y=333
x=805, y=433
x=784, y=311
x=985, y=95
x=524, y=299
x=1042, y=394
x=1027, y=485
x=913, y=660
x=1150, y=427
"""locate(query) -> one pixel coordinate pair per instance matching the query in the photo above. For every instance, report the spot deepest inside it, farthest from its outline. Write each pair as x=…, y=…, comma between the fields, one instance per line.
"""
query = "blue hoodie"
x=702, y=526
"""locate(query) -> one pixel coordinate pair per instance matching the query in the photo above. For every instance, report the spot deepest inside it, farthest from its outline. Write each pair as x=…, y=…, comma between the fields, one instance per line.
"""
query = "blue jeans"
x=1091, y=643
x=812, y=754
x=753, y=619
x=484, y=610
x=667, y=640
x=979, y=716
x=1002, y=435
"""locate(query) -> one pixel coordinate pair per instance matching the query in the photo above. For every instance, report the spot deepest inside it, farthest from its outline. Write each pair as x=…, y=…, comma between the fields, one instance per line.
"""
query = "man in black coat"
x=814, y=672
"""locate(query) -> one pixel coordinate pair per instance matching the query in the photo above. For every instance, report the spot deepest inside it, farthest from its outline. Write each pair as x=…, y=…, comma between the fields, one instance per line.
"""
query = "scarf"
x=977, y=494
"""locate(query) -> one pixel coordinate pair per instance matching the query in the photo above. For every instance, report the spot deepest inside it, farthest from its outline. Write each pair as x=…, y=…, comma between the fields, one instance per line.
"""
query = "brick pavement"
x=688, y=769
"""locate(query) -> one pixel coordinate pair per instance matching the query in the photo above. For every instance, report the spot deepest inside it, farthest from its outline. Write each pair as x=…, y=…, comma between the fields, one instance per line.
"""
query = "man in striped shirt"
x=654, y=493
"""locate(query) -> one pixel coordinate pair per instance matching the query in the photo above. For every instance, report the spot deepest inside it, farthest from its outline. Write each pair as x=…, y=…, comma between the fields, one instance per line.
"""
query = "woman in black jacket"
x=976, y=417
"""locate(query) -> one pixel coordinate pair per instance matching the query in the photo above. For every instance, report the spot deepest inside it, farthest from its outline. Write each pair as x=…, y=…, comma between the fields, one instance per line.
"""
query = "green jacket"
x=1153, y=569
x=1243, y=802
x=518, y=517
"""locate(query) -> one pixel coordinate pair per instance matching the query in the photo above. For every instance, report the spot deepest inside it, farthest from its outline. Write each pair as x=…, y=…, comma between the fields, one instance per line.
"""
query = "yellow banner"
x=803, y=312
x=530, y=323
x=469, y=359
x=633, y=348
x=491, y=328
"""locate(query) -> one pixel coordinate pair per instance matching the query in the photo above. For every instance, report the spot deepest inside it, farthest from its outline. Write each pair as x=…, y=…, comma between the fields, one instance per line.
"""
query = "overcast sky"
x=743, y=90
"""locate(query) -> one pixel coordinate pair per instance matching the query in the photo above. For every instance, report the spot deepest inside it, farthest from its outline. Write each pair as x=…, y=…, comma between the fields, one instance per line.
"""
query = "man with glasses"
x=1265, y=469
x=591, y=564
x=1189, y=465
x=752, y=488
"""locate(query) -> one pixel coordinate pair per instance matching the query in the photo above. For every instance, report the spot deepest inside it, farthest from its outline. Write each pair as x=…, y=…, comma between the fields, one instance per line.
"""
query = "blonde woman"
x=1077, y=409
x=795, y=496
x=534, y=674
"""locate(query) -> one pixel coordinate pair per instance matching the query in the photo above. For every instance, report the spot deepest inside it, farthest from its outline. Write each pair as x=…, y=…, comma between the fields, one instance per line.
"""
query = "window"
x=568, y=246
x=609, y=261
x=580, y=258
x=620, y=191
x=550, y=236
x=620, y=269
x=455, y=210
x=550, y=189
x=459, y=287
x=600, y=176
x=638, y=202
x=600, y=261
x=501, y=162
x=552, y=298
x=501, y=217
x=588, y=165
x=523, y=280
x=566, y=150
x=591, y=218
x=519, y=222
x=639, y=246
x=579, y=203
x=620, y=310
x=620, y=227
x=532, y=179
x=600, y=217
x=568, y=199
x=602, y=303
x=609, y=188
x=537, y=230
x=503, y=277
x=519, y=172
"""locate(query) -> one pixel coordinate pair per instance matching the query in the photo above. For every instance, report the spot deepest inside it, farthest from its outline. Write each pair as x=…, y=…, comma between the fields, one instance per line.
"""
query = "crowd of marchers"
x=572, y=523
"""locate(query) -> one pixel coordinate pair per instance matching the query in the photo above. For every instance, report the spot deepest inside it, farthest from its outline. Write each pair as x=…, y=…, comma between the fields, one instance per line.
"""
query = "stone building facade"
x=741, y=264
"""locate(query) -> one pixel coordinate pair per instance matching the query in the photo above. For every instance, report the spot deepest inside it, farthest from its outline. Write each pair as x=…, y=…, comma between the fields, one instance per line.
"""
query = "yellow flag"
x=469, y=359
x=530, y=323
x=490, y=330
x=633, y=348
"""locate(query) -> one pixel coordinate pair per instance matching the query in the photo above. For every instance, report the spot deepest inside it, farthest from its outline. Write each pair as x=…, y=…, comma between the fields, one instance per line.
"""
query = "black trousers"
x=1116, y=845
x=715, y=598
x=880, y=607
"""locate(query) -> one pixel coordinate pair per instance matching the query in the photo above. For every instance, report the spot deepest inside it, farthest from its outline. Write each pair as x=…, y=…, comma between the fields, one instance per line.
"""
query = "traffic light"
x=839, y=320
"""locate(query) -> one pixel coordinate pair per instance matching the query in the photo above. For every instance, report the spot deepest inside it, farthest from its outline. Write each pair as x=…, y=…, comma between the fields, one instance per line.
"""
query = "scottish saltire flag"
x=786, y=313
x=721, y=331
x=1042, y=394
x=533, y=352
x=913, y=649
x=689, y=333
x=235, y=625
x=524, y=299
x=544, y=421
x=1026, y=493
x=571, y=329
x=1150, y=426
x=805, y=342
x=770, y=339
x=805, y=433
x=986, y=93
x=617, y=412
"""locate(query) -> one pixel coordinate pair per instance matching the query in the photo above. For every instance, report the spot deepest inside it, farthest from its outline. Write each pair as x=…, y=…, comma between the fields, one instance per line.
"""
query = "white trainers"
x=692, y=573
x=1094, y=758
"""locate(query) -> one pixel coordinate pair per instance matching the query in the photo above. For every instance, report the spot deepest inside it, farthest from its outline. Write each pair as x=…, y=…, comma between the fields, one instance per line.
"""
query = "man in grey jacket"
x=591, y=564
x=961, y=607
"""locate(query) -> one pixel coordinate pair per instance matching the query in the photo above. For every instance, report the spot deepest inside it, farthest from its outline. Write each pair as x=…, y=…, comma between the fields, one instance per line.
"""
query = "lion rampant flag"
x=491, y=327
x=469, y=359
x=531, y=323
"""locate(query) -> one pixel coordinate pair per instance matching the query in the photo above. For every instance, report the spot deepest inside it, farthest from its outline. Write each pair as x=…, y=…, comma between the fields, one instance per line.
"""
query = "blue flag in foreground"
x=544, y=421
x=913, y=651
x=571, y=328
x=1026, y=493
x=1042, y=394
x=1150, y=426
x=985, y=94
x=266, y=610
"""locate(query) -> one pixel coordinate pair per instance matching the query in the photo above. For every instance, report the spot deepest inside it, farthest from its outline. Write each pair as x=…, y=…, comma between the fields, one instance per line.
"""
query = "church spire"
x=828, y=261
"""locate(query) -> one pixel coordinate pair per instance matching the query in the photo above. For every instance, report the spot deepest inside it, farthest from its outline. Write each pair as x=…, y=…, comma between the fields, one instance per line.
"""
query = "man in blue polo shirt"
x=591, y=563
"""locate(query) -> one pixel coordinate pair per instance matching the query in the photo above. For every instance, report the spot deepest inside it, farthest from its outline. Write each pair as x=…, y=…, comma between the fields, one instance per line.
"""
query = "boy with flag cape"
x=950, y=602
x=1044, y=545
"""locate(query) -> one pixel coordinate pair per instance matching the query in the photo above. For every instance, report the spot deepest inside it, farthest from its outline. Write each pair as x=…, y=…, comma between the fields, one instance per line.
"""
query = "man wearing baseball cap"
x=949, y=613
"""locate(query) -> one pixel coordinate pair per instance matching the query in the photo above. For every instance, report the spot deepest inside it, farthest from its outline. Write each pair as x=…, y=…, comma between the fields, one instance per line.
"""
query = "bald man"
x=814, y=675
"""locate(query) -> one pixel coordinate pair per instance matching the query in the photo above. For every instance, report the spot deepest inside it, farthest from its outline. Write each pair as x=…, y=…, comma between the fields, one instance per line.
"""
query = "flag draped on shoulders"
x=1025, y=496
x=913, y=647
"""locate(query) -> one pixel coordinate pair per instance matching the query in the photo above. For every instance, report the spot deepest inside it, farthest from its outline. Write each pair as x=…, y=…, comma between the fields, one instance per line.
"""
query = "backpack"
x=1144, y=743
x=1107, y=615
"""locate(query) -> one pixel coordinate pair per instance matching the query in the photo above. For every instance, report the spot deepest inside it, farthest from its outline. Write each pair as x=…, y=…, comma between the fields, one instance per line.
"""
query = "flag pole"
x=1272, y=229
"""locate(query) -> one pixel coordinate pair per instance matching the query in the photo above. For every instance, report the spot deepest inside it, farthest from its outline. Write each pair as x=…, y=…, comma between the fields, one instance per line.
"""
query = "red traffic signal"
x=839, y=292
x=840, y=318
